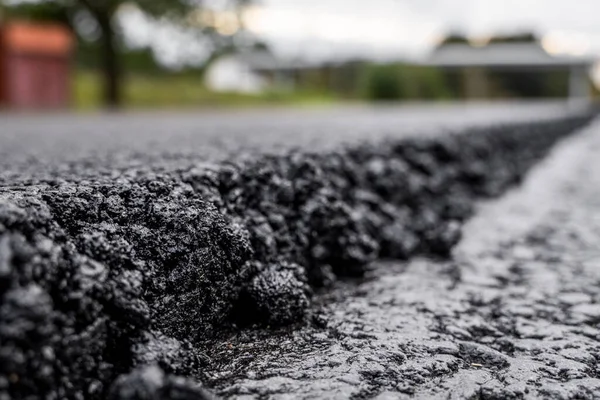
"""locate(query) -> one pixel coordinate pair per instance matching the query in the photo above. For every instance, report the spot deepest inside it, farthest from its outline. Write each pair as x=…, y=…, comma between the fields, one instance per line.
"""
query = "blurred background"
x=94, y=54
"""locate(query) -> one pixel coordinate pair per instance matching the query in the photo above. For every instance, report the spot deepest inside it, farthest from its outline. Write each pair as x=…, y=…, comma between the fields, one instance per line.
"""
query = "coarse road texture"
x=515, y=314
x=156, y=256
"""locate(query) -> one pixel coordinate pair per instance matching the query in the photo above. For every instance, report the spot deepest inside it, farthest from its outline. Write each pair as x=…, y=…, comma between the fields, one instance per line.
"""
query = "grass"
x=182, y=91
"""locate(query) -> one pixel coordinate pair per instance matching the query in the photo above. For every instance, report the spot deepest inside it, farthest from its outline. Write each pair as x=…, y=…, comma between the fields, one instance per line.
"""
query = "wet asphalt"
x=512, y=314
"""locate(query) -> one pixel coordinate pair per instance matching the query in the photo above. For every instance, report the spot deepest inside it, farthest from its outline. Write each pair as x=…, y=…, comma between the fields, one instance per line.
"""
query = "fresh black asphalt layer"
x=127, y=284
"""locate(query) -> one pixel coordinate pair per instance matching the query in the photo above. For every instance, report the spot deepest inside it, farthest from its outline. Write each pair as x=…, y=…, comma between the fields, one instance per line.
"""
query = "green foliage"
x=384, y=83
x=394, y=82
x=39, y=12
x=454, y=38
x=133, y=61
x=458, y=38
x=517, y=38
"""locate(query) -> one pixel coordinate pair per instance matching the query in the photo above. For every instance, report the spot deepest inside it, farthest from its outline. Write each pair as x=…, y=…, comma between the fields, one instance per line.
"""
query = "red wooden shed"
x=35, y=65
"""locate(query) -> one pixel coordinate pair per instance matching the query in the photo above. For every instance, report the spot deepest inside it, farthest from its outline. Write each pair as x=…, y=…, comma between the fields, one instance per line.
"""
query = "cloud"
x=378, y=28
x=407, y=26
x=476, y=15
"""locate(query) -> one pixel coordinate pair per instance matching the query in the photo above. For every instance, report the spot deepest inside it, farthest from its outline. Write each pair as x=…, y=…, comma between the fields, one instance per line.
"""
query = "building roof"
x=48, y=39
x=501, y=55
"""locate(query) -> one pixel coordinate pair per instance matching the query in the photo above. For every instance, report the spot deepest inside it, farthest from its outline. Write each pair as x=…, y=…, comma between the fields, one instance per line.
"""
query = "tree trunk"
x=110, y=63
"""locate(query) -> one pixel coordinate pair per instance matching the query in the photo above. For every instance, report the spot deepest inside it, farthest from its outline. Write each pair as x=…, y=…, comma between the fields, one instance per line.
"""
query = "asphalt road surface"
x=514, y=313
x=34, y=145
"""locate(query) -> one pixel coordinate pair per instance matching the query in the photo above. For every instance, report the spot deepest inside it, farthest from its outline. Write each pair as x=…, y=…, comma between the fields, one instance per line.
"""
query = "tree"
x=104, y=13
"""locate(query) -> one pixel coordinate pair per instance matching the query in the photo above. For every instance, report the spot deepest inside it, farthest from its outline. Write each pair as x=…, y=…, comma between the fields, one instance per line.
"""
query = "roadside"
x=187, y=91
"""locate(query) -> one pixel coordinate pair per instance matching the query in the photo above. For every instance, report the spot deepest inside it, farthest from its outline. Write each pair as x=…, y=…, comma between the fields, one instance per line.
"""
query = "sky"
x=387, y=29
